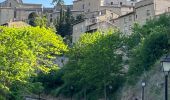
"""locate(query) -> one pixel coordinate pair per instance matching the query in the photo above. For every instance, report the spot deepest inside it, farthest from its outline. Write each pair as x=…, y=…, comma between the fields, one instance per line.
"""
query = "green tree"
x=94, y=64
x=24, y=53
x=64, y=23
x=58, y=2
x=146, y=45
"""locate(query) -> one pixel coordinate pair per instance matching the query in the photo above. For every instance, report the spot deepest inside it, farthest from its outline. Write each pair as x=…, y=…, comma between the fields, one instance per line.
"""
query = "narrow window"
x=83, y=6
x=148, y=13
x=130, y=18
x=121, y=3
x=15, y=14
x=9, y=4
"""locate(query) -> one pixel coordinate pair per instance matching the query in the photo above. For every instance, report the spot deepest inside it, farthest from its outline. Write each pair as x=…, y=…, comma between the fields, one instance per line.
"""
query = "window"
x=9, y=4
x=83, y=6
x=136, y=16
x=88, y=10
x=130, y=18
x=129, y=8
x=89, y=3
x=148, y=12
x=125, y=20
x=15, y=14
x=121, y=3
x=130, y=27
x=111, y=3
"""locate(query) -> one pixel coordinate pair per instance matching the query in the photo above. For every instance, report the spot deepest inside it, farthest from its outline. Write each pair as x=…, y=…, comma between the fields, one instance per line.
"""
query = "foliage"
x=31, y=18
x=24, y=53
x=64, y=23
x=95, y=63
x=51, y=83
x=35, y=20
x=58, y=2
x=41, y=21
x=146, y=45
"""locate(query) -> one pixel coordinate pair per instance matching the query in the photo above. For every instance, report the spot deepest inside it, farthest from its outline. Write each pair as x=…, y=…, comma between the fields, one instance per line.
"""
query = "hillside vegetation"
x=103, y=62
x=101, y=65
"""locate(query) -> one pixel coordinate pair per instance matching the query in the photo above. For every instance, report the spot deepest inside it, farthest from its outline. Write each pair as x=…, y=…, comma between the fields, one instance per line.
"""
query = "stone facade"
x=99, y=14
x=125, y=13
x=143, y=11
x=16, y=10
x=99, y=21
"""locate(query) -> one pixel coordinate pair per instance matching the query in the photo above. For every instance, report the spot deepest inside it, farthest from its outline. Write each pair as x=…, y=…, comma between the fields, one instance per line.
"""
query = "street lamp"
x=165, y=62
x=71, y=88
x=110, y=89
x=143, y=89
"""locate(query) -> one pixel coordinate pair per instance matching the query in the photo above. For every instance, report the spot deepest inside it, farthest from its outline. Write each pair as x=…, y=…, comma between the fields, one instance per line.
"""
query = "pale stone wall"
x=10, y=3
x=126, y=9
x=162, y=6
x=6, y=15
x=22, y=14
x=78, y=29
x=125, y=23
x=87, y=5
x=31, y=5
x=144, y=11
x=102, y=26
x=12, y=10
x=107, y=14
x=116, y=10
x=119, y=2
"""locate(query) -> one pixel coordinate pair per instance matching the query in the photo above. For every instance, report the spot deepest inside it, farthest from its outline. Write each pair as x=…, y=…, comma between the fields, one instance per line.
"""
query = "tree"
x=146, y=45
x=94, y=64
x=64, y=23
x=24, y=53
x=58, y=2
x=35, y=20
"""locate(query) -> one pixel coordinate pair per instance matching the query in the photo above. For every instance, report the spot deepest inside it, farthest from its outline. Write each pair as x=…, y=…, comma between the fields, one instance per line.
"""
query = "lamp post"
x=165, y=62
x=110, y=88
x=71, y=88
x=143, y=89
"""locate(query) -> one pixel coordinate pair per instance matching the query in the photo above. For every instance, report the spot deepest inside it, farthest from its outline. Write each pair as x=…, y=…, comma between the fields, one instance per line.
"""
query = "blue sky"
x=46, y=3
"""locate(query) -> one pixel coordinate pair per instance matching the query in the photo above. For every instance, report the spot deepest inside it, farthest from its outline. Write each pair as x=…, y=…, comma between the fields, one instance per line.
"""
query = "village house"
x=99, y=14
x=13, y=10
x=143, y=11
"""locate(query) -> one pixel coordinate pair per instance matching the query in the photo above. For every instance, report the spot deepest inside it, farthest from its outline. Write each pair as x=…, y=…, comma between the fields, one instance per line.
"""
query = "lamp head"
x=143, y=84
x=165, y=63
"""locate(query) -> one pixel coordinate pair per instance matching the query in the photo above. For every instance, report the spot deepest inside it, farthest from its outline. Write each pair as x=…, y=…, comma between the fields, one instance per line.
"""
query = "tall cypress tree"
x=64, y=23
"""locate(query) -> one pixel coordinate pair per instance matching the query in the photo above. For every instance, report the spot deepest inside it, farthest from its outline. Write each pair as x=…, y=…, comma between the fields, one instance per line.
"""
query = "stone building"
x=16, y=10
x=99, y=21
x=99, y=14
x=143, y=11
x=125, y=14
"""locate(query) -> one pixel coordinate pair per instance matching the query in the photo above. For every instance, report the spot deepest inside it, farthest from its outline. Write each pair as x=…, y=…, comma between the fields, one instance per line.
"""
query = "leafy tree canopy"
x=24, y=53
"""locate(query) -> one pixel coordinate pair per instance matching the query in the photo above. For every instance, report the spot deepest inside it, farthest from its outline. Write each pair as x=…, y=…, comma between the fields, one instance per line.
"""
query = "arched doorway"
x=31, y=18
